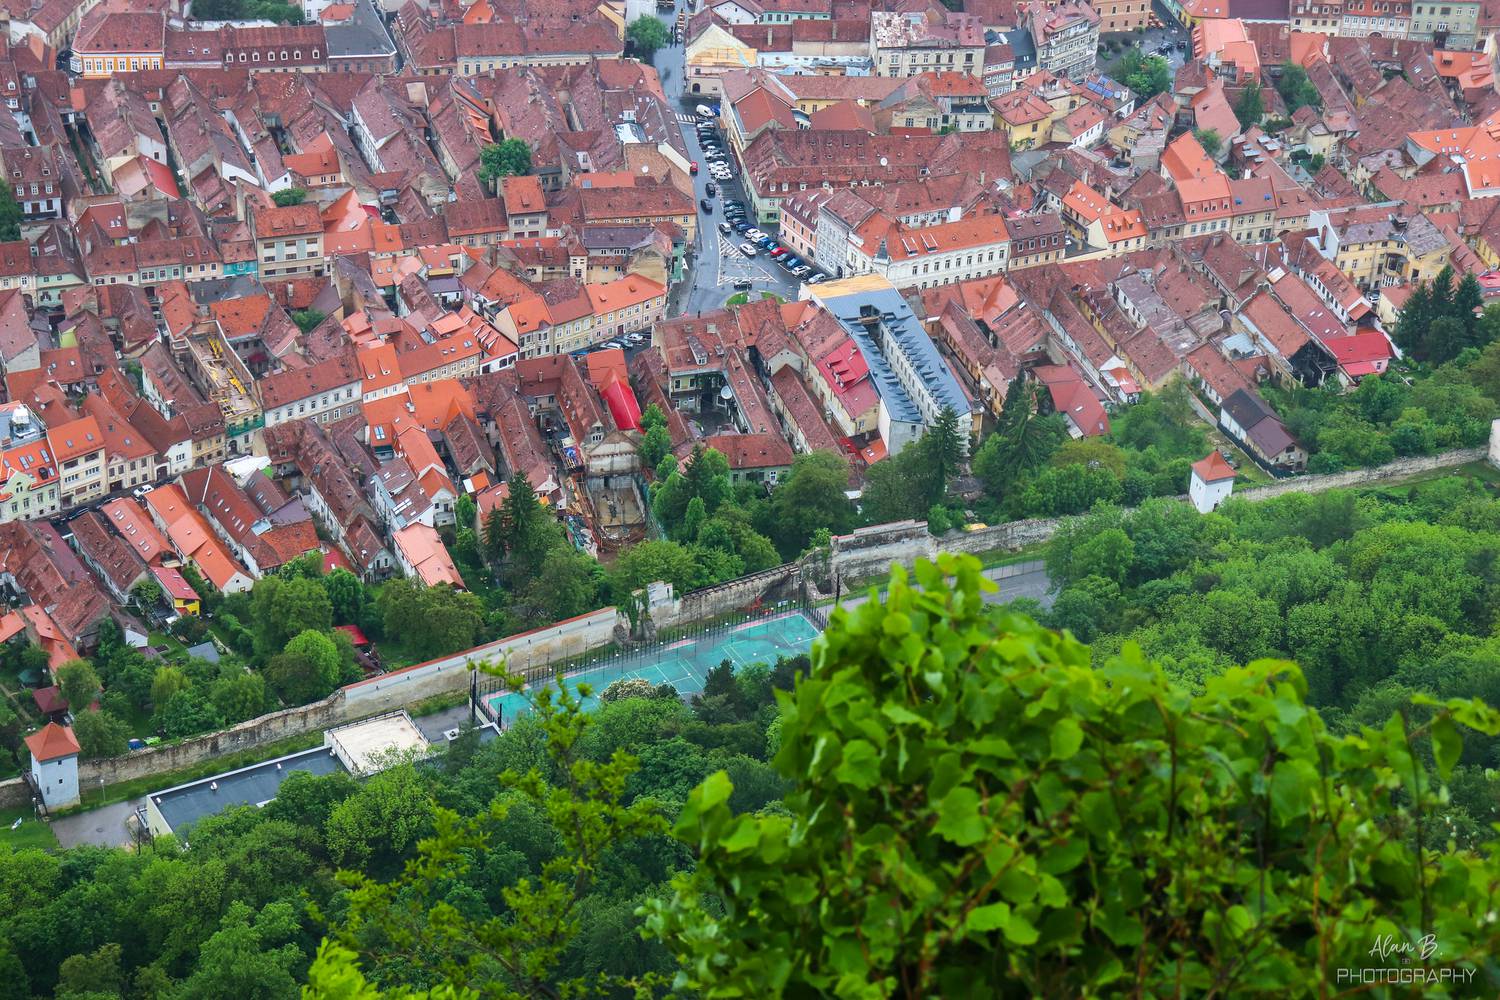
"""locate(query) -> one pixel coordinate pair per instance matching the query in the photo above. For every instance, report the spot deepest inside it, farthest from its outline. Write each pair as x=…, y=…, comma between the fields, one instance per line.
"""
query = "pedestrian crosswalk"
x=686, y=119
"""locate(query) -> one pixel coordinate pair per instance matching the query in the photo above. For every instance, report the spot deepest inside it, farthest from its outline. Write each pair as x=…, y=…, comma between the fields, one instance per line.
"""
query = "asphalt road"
x=716, y=263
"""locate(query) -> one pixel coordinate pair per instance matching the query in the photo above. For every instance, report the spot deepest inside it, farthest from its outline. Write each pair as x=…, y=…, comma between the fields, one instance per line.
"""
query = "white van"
x=704, y=111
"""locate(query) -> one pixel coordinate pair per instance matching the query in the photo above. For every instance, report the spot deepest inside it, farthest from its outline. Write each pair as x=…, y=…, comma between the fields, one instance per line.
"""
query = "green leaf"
x=988, y=918
x=716, y=789
x=1019, y=930
x=959, y=820
x=1447, y=745
x=860, y=766
x=1291, y=789
x=1067, y=737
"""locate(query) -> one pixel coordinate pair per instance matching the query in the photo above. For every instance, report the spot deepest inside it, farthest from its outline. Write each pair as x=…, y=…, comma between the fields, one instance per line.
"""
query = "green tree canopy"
x=79, y=683
x=1210, y=140
x=307, y=669
x=646, y=34
x=507, y=158
x=290, y=196
x=1296, y=89
x=100, y=734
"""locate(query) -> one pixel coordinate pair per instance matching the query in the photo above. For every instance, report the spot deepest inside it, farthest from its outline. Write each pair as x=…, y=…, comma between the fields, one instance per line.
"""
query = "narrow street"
x=715, y=264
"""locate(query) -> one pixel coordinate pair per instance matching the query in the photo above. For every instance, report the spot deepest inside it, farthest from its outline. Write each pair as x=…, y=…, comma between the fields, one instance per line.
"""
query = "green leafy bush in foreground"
x=978, y=811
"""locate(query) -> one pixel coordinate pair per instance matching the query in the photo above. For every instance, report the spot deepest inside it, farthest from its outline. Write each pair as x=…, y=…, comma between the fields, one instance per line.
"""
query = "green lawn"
x=31, y=833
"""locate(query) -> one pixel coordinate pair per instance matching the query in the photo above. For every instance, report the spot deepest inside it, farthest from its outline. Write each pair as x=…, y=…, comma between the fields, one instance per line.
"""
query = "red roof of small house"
x=1361, y=353
x=1213, y=469
x=52, y=742
x=355, y=633
x=50, y=699
x=174, y=583
x=11, y=625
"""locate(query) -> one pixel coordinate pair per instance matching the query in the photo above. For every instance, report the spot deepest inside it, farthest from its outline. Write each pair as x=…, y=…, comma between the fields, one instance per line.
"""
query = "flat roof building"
x=174, y=810
x=375, y=744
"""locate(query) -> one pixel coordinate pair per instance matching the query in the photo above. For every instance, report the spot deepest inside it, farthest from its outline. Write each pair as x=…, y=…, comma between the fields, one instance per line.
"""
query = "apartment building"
x=288, y=241
x=77, y=446
x=925, y=42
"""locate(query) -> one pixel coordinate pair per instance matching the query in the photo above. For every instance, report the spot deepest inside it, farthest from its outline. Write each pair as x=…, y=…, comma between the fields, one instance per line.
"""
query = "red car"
x=693, y=167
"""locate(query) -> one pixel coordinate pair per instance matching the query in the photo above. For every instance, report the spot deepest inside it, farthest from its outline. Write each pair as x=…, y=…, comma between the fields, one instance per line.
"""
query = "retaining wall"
x=245, y=736
x=526, y=653
x=723, y=598
x=1359, y=477
x=14, y=793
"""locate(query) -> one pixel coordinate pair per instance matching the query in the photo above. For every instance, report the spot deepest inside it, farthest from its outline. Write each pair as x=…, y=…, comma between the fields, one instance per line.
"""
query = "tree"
x=1250, y=107
x=147, y=594
x=93, y=974
x=250, y=956
x=433, y=620
x=1147, y=76
x=646, y=34
x=100, y=734
x=10, y=731
x=527, y=530
x=939, y=453
x=79, y=684
x=306, y=670
x=380, y=821
x=307, y=320
x=346, y=594
x=1209, y=139
x=283, y=608
x=813, y=497
x=648, y=562
x=166, y=682
x=187, y=713
x=239, y=695
x=568, y=584
x=1023, y=440
x=656, y=443
x=1296, y=89
x=508, y=158
x=290, y=196
x=10, y=215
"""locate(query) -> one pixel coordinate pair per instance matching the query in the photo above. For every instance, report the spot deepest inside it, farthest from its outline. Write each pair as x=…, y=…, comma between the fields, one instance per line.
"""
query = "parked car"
x=706, y=205
x=747, y=250
x=741, y=226
x=141, y=491
x=710, y=189
x=755, y=234
x=817, y=278
x=743, y=286
x=779, y=251
x=801, y=270
x=704, y=111
x=791, y=260
x=725, y=228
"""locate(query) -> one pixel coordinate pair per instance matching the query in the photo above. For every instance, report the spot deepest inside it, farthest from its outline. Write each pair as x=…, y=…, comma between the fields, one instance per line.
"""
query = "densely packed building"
x=276, y=289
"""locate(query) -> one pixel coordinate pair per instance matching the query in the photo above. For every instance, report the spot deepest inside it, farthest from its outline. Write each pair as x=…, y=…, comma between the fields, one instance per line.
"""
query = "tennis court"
x=683, y=664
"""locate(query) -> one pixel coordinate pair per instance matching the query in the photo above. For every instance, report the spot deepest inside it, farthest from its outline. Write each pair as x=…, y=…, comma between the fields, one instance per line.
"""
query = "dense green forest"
x=1378, y=596
x=947, y=800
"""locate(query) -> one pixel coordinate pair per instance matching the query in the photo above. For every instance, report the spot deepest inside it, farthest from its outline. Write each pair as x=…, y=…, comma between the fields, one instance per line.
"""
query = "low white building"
x=54, y=765
x=1211, y=482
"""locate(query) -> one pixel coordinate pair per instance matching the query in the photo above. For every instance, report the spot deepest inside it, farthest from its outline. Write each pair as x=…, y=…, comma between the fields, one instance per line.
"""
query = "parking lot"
x=722, y=269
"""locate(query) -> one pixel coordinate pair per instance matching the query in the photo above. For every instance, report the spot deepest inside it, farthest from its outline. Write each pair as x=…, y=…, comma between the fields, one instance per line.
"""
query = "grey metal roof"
x=904, y=332
x=186, y=804
x=362, y=35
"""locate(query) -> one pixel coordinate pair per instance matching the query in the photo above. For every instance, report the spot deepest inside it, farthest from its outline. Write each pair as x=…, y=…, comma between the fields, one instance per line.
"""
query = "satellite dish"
x=884, y=162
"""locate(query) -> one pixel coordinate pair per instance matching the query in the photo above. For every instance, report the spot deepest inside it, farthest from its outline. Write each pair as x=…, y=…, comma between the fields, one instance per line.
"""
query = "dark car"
x=710, y=189
x=743, y=286
x=741, y=226
x=707, y=206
